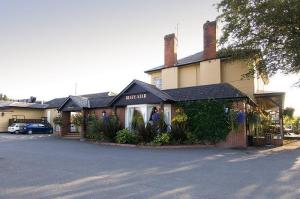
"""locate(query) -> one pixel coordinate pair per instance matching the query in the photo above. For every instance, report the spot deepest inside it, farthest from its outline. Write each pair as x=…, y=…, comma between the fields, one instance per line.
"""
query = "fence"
x=43, y=120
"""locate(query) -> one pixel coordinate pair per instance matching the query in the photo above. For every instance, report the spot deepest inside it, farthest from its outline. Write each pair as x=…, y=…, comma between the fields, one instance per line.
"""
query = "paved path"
x=42, y=166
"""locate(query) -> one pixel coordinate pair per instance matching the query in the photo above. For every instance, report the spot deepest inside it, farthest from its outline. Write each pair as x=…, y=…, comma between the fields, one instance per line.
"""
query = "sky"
x=49, y=46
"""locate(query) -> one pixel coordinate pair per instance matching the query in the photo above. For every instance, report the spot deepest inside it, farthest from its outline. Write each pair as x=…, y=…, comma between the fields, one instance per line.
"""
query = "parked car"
x=38, y=128
x=16, y=128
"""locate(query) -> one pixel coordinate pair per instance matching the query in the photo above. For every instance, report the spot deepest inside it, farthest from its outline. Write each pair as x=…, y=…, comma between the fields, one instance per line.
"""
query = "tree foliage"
x=289, y=112
x=270, y=26
x=3, y=97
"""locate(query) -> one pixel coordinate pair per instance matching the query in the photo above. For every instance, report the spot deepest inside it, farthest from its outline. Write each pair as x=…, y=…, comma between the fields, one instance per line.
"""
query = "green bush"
x=94, y=129
x=57, y=120
x=191, y=138
x=179, y=127
x=77, y=119
x=125, y=136
x=233, y=119
x=161, y=139
x=207, y=120
x=110, y=127
x=137, y=120
x=146, y=134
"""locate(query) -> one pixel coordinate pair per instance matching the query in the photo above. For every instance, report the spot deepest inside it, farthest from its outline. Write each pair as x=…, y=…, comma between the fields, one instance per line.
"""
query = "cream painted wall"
x=259, y=84
x=232, y=72
x=188, y=75
x=53, y=113
x=154, y=75
x=169, y=78
x=21, y=112
x=209, y=72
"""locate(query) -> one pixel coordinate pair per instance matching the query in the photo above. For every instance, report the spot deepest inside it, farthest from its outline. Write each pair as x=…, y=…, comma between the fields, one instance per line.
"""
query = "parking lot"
x=44, y=166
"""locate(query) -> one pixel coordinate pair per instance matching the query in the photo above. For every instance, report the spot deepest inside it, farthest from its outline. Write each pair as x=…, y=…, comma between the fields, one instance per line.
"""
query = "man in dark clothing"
x=155, y=116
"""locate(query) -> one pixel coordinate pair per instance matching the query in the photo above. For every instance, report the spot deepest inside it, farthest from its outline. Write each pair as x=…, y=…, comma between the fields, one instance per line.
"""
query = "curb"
x=152, y=146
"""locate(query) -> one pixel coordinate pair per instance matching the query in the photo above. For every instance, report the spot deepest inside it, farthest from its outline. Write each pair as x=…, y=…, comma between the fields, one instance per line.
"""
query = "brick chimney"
x=170, y=50
x=209, y=40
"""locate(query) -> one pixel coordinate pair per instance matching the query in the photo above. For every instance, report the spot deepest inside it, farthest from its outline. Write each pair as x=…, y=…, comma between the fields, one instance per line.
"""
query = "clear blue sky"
x=48, y=45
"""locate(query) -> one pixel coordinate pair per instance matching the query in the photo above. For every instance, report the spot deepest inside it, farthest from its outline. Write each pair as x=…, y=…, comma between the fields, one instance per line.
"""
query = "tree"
x=270, y=26
x=3, y=97
x=289, y=112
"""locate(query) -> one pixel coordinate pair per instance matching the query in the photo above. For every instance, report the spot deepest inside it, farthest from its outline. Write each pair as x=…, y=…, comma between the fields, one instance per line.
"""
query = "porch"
x=271, y=104
x=74, y=107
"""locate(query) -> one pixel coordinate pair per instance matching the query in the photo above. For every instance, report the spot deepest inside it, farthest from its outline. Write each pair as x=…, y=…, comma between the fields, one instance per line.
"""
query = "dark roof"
x=212, y=91
x=154, y=90
x=12, y=104
x=95, y=100
x=101, y=102
x=197, y=57
x=148, y=87
x=55, y=103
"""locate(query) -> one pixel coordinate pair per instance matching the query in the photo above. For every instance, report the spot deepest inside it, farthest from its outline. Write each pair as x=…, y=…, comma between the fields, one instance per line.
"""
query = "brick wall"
x=120, y=112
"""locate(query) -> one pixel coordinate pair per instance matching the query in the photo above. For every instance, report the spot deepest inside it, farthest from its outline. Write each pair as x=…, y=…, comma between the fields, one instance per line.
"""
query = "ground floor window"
x=145, y=111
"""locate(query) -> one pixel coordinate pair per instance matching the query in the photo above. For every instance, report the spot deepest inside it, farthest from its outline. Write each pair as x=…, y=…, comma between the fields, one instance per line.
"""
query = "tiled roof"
x=96, y=100
x=212, y=91
x=55, y=103
x=8, y=104
x=148, y=87
x=101, y=102
x=154, y=90
x=197, y=57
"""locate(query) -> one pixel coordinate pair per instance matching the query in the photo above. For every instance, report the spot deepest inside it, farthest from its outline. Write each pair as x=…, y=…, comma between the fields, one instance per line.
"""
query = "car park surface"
x=44, y=166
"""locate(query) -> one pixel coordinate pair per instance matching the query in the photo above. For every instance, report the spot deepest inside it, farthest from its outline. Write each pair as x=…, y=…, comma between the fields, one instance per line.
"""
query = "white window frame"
x=146, y=110
x=157, y=81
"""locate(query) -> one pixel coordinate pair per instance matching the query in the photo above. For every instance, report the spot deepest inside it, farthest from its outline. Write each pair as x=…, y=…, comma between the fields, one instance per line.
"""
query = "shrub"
x=207, y=120
x=146, y=134
x=233, y=119
x=161, y=139
x=179, y=126
x=94, y=129
x=161, y=124
x=77, y=119
x=57, y=120
x=110, y=127
x=191, y=138
x=137, y=120
x=125, y=136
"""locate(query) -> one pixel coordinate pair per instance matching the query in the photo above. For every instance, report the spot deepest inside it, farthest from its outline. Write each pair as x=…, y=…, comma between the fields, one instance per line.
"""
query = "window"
x=157, y=82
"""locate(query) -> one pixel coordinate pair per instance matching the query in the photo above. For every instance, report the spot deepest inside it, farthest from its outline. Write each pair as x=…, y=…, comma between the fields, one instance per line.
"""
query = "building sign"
x=137, y=96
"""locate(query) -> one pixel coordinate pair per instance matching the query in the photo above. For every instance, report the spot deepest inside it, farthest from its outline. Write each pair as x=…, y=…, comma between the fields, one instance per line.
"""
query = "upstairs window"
x=157, y=82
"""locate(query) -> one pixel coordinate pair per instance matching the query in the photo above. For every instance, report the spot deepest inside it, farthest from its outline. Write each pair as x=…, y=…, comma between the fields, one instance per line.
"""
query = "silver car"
x=16, y=128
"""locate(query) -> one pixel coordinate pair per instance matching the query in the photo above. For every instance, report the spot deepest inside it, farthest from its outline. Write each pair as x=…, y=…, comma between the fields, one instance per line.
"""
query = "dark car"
x=38, y=128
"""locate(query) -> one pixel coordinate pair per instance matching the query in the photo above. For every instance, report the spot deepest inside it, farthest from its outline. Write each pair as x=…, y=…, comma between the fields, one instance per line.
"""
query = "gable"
x=70, y=105
x=136, y=94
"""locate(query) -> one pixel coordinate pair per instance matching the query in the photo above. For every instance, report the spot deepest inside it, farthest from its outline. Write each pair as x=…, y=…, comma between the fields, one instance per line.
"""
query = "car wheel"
x=30, y=132
x=17, y=132
x=50, y=131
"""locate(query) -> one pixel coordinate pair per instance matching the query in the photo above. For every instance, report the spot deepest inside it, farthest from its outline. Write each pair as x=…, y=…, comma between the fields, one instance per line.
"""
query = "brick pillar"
x=66, y=116
x=238, y=139
x=84, y=125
